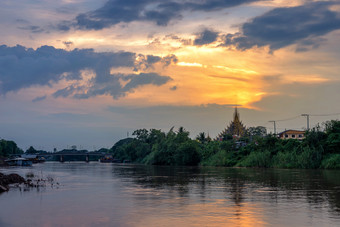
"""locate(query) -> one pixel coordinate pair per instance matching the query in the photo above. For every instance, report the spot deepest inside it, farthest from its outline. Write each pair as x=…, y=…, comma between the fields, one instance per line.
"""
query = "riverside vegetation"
x=319, y=149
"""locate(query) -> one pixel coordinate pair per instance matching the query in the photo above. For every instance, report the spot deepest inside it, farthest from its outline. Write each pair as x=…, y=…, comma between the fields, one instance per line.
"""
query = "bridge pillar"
x=87, y=158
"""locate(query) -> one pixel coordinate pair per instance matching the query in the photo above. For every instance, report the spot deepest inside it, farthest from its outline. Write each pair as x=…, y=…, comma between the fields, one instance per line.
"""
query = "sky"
x=90, y=72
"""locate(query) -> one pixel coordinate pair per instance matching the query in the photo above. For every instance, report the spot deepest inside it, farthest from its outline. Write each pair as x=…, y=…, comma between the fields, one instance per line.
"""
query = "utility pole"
x=274, y=126
x=306, y=115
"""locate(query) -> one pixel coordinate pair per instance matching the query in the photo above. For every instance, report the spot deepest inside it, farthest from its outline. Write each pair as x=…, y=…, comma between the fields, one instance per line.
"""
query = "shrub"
x=332, y=161
x=257, y=159
x=285, y=160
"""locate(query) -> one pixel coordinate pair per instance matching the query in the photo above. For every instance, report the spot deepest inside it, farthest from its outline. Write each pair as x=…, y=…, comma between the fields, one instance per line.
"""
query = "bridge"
x=62, y=155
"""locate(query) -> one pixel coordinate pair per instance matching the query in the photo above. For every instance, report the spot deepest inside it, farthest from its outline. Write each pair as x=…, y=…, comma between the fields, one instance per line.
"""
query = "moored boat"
x=107, y=159
x=18, y=162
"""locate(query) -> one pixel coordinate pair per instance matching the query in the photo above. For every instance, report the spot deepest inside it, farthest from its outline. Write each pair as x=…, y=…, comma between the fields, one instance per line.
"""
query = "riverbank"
x=6, y=180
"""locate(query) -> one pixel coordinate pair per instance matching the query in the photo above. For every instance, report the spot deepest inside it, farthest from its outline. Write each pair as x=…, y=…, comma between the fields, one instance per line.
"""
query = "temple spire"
x=236, y=115
x=235, y=128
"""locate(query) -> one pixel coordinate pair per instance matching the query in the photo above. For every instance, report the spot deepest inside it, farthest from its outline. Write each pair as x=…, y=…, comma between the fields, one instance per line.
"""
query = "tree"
x=141, y=134
x=258, y=131
x=202, y=138
x=187, y=154
x=332, y=129
x=8, y=148
x=31, y=150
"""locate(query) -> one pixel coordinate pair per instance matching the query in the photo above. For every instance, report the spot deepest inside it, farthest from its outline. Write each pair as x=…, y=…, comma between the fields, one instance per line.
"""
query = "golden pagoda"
x=236, y=129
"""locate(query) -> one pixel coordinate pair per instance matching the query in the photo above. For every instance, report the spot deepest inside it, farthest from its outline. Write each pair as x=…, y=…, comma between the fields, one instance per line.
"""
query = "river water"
x=105, y=194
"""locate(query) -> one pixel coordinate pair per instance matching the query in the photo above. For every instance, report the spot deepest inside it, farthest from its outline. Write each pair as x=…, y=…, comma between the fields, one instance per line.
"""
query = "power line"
x=306, y=115
x=324, y=115
x=274, y=127
x=289, y=119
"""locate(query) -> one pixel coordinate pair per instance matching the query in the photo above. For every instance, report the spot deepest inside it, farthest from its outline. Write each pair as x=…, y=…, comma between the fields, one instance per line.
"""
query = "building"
x=292, y=134
x=236, y=129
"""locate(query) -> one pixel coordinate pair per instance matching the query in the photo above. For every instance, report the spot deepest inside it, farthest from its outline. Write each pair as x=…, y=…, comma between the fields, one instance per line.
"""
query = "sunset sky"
x=87, y=72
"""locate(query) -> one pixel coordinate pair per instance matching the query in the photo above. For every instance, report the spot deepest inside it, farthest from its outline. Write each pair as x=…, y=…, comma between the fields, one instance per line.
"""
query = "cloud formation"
x=40, y=98
x=281, y=27
x=206, y=37
x=32, y=28
x=22, y=67
x=112, y=85
x=157, y=11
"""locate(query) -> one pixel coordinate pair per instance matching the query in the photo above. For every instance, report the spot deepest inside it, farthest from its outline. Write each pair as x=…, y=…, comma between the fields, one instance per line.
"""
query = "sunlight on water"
x=97, y=194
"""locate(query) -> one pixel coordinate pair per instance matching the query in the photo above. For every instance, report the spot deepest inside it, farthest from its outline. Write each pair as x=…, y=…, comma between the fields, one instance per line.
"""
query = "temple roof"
x=235, y=128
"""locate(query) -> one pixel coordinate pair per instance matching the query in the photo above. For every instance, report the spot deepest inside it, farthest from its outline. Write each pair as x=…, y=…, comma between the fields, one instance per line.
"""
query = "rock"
x=3, y=188
x=6, y=180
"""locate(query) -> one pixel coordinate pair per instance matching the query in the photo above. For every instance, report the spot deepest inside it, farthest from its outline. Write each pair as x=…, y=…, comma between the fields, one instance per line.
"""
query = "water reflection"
x=97, y=194
x=319, y=187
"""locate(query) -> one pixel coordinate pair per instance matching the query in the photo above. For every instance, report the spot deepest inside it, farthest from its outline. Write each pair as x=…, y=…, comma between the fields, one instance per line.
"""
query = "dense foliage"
x=8, y=148
x=320, y=149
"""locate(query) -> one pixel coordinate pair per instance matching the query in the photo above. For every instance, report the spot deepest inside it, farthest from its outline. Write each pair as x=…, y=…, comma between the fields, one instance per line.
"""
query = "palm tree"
x=202, y=137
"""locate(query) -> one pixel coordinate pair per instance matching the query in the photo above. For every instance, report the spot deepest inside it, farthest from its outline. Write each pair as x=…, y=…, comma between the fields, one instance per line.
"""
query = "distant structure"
x=292, y=134
x=236, y=129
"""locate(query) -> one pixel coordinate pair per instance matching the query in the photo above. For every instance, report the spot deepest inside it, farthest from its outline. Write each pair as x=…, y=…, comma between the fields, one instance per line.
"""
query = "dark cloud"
x=177, y=38
x=68, y=43
x=280, y=27
x=65, y=92
x=112, y=86
x=206, y=37
x=22, y=67
x=40, y=98
x=153, y=59
x=157, y=11
x=64, y=26
x=169, y=60
x=212, y=5
x=174, y=88
x=145, y=62
x=33, y=29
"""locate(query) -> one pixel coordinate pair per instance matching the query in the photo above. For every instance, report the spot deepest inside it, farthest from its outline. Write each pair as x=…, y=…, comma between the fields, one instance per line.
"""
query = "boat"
x=34, y=158
x=107, y=159
x=18, y=162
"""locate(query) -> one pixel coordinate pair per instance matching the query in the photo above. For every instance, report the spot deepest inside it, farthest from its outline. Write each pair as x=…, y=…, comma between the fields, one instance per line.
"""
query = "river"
x=105, y=194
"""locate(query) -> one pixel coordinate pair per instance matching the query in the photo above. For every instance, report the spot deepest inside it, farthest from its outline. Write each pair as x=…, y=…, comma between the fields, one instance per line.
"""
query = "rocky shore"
x=2, y=161
x=13, y=178
x=31, y=181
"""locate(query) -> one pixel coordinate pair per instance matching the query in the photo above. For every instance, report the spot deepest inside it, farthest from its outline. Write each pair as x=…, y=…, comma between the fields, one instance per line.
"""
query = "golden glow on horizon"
x=190, y=64
x=203, y=74
x=236, y=70
x=84, y=40
x=280, y=3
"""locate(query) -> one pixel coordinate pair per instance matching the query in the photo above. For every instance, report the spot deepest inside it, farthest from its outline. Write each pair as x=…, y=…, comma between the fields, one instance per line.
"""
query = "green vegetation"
x=320, y=149
x=8, y=148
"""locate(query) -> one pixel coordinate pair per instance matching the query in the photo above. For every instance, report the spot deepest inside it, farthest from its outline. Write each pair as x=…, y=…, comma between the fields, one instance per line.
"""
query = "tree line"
x=319, y=149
